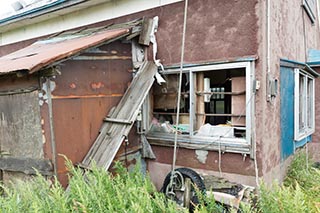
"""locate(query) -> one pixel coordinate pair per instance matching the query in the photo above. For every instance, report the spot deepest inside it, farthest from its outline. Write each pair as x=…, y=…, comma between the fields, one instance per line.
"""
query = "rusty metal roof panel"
x=57, y=48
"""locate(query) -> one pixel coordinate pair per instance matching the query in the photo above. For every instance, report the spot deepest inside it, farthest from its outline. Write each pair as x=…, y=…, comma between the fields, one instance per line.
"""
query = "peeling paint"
x=43, y=137
x=52, y=85
x=43, y=97
x=201, y=155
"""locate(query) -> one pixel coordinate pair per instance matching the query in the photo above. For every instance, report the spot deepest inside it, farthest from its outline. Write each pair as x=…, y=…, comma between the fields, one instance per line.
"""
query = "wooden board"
x=200, y=101
x=26, y=165
x=112, y=134
x=238, y=101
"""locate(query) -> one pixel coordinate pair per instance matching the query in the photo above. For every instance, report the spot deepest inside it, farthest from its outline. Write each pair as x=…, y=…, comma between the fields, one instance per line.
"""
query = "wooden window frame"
x=308, y=106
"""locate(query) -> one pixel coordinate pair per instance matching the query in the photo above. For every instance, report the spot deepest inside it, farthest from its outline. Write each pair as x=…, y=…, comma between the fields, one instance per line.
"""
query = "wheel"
x=176, y=190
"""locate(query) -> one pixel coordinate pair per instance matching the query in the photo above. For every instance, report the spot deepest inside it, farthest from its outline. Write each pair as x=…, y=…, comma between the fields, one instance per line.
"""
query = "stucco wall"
x=314, y=147
x=291, y=34
x=216, y=30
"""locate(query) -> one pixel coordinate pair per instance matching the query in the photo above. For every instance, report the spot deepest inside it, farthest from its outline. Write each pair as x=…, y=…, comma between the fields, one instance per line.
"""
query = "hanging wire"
x=179, y=90
x=220, y=170
x=178, y=108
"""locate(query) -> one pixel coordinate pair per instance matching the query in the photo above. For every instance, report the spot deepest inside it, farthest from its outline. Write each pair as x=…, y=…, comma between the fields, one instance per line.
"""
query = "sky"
x=6, y=7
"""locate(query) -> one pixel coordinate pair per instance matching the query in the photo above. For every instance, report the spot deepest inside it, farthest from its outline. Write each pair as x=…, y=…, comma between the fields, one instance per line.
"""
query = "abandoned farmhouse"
x=98, y=81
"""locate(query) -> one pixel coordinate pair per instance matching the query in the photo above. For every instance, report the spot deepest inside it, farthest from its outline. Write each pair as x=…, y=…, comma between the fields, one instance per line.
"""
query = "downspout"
x=318, y=13
x=268, y=50
x=268, y=36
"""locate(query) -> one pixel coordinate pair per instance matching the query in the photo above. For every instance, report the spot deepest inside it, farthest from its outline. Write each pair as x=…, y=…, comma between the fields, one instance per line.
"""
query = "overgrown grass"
x=300, y=191
x=132, y=192
x=97, y=192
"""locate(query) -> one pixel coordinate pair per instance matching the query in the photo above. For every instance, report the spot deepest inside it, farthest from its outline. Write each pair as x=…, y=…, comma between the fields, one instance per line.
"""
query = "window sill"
x=233, y=145
x=305, y=134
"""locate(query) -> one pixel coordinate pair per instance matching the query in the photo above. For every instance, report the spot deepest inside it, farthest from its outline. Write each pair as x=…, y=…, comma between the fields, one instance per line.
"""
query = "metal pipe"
x=53, y=143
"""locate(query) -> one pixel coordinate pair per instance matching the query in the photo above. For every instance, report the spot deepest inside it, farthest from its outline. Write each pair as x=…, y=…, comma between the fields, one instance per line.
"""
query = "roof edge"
x=228, y=60
x=301, y=65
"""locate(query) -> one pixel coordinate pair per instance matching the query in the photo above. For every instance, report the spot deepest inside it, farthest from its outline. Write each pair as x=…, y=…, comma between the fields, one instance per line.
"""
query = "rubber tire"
x=195, y=179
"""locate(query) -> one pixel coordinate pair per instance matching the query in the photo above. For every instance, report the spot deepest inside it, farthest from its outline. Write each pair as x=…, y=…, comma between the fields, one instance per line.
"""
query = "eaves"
x=45, y=12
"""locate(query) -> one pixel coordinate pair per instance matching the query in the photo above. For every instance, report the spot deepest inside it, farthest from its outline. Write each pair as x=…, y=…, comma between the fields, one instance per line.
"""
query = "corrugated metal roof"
x=46, y=52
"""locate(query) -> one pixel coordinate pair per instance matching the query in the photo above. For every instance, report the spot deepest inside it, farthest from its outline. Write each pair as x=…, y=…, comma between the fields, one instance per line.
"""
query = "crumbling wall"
x=20, y=129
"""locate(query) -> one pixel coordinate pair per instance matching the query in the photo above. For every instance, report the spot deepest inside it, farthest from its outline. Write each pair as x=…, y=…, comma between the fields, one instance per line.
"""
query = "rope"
x=179, y=90
x=220, y=170
x=178, y=106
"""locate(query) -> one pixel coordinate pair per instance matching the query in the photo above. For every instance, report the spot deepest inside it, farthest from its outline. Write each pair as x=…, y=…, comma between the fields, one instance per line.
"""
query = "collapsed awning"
x=52, y=50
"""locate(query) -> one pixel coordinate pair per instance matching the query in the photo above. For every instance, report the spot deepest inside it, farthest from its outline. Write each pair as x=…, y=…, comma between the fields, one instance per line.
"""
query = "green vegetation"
x=97, y=192
x=300, y=191
x=132, y=192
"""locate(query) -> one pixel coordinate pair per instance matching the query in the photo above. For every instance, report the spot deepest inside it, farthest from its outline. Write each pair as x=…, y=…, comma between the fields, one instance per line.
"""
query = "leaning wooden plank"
x=112, y=135
x=29, y=166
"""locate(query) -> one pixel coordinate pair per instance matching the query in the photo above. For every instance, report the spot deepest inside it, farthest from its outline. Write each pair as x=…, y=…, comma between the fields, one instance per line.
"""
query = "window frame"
x=305, y=131
x=237, y=145
x=310, y=7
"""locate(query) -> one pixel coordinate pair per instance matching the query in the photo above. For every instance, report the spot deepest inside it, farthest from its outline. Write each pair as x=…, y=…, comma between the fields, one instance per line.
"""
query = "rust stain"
x=95, y=78
x=97, y=85
x=73, y=86
x=85, y=96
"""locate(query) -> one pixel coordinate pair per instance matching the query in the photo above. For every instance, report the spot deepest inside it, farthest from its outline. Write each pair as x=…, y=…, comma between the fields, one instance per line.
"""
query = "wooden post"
x=200, y=101
x=187, y=193
x=53, y=142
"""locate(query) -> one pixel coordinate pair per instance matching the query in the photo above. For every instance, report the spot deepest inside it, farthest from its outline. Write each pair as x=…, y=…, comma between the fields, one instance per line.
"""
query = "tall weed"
x=99, y=191
x=94, y=191
x=300, y=191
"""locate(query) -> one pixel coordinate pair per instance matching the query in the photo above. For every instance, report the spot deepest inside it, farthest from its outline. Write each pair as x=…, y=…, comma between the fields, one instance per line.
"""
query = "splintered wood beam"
x=29, y=166
x=144, y=38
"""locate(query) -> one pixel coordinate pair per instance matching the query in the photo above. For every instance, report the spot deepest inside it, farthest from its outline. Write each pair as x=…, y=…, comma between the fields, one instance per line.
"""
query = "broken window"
x=304, y=104
x=215, y=106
